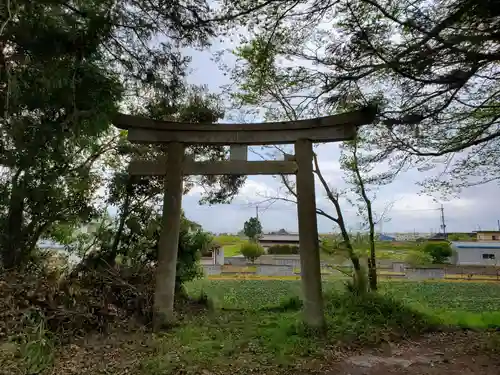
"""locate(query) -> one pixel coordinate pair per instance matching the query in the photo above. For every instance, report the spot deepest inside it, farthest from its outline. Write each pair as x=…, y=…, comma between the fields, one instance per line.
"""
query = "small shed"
x=476, y=253
x=488, y=235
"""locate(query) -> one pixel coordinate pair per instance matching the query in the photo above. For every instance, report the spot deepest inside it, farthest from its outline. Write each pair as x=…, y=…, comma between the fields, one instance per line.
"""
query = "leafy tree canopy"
x=431, y=67
x=65, y=69
x=438, y=251
x=252, y=228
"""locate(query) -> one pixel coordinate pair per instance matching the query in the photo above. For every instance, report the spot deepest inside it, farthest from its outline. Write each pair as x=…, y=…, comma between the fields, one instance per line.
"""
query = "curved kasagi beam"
x=339, y=127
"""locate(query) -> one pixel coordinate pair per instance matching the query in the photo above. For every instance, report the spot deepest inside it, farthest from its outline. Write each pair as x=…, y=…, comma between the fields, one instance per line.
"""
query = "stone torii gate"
x=175, y=165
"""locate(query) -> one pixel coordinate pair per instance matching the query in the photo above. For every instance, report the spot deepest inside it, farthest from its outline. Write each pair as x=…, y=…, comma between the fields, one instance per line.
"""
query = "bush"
x=438, y=251
x=251, y=251
x=283, y=249
x=418, y=258
x=373, y=318
x=191, y=244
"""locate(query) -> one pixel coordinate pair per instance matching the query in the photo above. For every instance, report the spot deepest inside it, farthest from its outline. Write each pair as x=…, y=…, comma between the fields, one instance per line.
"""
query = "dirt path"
x=459, y=353
x=437, y=354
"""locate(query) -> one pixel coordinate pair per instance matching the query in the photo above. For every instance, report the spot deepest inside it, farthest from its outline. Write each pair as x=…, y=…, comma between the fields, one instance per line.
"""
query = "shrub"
x=373, y=318
x=283, y=249
x=438, y=251
x=288, y=304
x=191, y=244
x=418, y=258
x=251, y=251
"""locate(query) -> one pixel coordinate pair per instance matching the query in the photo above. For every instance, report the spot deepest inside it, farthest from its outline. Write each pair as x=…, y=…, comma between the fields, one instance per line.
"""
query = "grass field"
x=255, y=294
x=230, y=244
x=255, y=324
x=385, y=250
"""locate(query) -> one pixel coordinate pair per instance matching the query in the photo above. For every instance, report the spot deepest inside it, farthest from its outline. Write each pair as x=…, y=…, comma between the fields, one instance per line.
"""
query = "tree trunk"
x=340, y=221
x=347, y=240
x=359, y=277
x=372, y=261
x=12, y=245
x=111, y=256
x=31, y=235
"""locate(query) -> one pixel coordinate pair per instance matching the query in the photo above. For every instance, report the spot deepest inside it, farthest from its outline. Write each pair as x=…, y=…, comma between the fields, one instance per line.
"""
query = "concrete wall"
x=289, y=260
x=473, y=270
x=236, y=261
x=279, y=260
x=425, y=273
x=385, y=263
x=212, y=269
x=272, y=270
x=399, y=267
x=219, y=256
x=205, y=261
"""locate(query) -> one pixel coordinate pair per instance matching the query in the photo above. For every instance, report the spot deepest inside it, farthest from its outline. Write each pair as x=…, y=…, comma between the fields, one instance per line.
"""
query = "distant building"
x=268, y=240
x=413, y=236
x=438, y=237
x=476, y=253
x=385, y=237
x=488, y=235
x=280, y=232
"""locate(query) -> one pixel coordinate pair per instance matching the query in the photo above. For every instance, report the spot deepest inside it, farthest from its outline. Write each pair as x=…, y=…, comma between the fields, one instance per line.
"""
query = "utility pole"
x=498, y=223
x=443, y=224
x=257, y=212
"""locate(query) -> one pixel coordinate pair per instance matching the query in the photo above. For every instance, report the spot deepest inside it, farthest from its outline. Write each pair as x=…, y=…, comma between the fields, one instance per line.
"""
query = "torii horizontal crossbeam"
x=322, y=129
x=214, y=168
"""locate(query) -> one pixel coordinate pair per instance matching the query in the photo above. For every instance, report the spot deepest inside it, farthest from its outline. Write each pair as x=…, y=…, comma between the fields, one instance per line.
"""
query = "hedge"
x=283, y=249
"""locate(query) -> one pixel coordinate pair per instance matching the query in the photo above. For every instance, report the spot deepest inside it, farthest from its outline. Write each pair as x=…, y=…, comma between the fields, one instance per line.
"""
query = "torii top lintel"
x=334, y=128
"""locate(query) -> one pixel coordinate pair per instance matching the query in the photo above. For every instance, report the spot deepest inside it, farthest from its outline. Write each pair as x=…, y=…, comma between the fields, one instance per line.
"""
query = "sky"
x=407, y=209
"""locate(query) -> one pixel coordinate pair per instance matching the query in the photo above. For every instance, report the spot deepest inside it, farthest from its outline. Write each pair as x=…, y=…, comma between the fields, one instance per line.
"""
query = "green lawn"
x=231, y=250
x=228, y=240
x=385, y=250
x=230, y=244
x=254, y=325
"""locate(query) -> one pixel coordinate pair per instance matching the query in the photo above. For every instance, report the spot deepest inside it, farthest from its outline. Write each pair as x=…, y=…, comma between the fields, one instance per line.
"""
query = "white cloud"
x=254, y=191
x=196, y=190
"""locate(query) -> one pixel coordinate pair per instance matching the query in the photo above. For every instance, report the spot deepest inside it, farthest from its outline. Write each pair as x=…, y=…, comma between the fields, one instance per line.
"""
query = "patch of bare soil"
x=98, y=354
x=464, y=353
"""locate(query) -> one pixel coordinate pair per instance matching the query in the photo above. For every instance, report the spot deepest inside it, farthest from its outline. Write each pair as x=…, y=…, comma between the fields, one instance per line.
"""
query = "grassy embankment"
x=255, y=324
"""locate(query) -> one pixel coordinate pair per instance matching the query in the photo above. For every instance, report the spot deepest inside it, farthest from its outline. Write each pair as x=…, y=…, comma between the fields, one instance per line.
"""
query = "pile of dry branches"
x=90, y=300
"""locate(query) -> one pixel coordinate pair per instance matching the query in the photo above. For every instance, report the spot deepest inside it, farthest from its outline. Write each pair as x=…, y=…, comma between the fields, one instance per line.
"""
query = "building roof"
x=487, y=231
x=385, y=237
x=280, y=237
x=475, y=245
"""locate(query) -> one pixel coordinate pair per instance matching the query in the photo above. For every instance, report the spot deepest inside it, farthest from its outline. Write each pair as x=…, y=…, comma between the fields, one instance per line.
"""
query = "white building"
x=476, y=253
